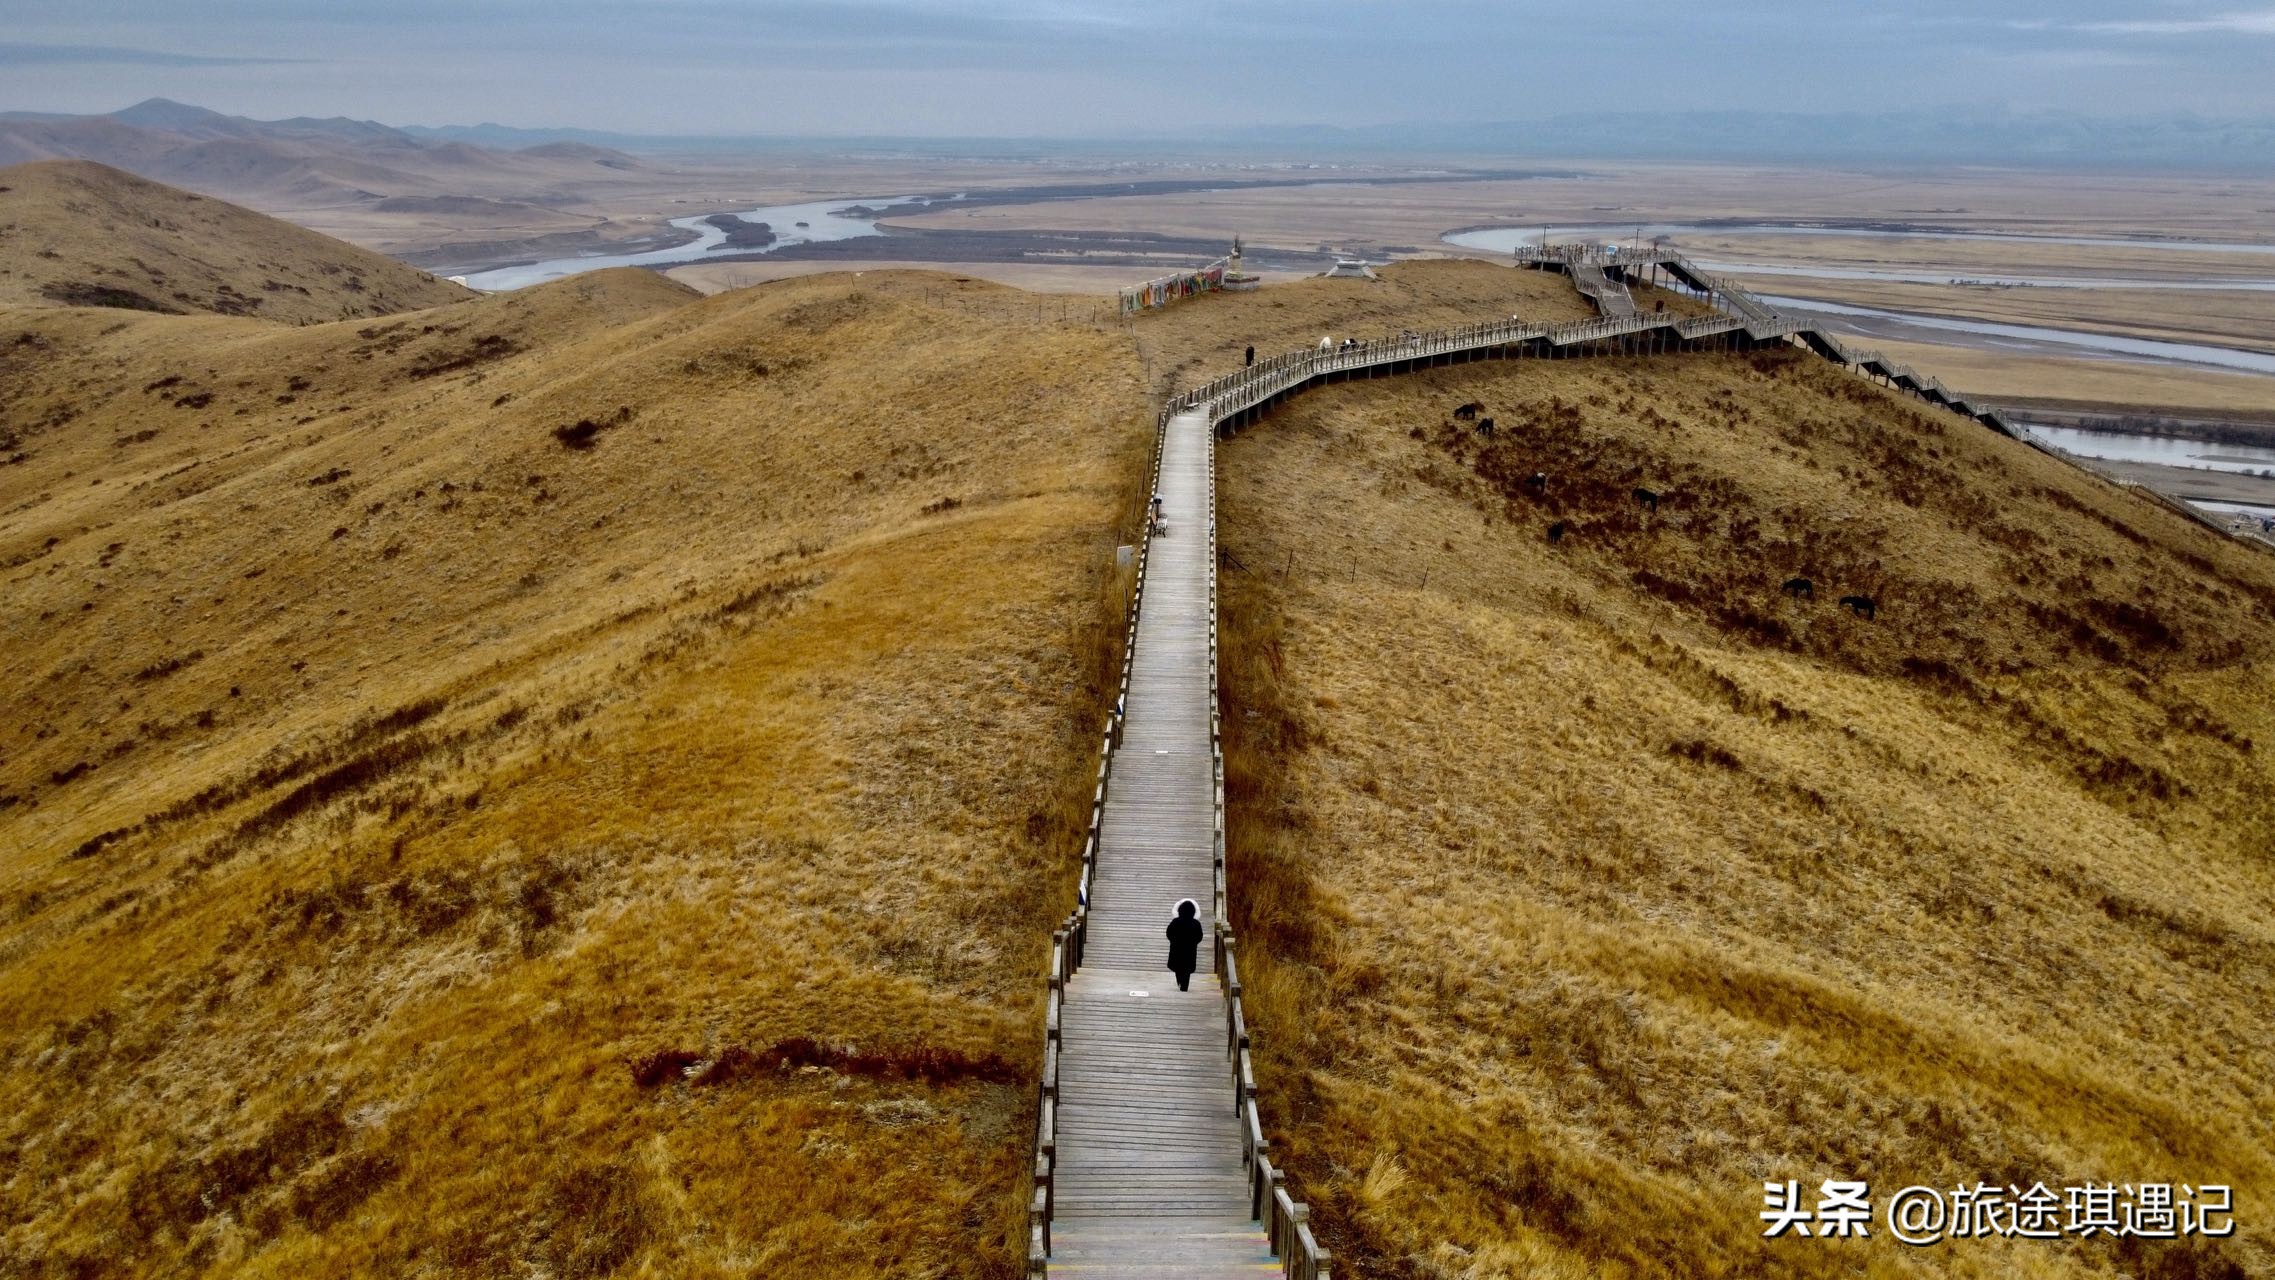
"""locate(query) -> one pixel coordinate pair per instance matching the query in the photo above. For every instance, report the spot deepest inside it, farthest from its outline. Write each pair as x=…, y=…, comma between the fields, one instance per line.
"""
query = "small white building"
x=1349, y=269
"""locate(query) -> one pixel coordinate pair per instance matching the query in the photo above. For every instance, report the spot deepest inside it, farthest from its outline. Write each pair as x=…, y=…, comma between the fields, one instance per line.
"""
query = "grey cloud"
x=25, y=55
x=1070, y=66
x=2249, y=24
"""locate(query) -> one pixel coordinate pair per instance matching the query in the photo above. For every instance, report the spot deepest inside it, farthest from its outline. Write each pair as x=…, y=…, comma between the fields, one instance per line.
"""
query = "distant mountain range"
x=302, y=162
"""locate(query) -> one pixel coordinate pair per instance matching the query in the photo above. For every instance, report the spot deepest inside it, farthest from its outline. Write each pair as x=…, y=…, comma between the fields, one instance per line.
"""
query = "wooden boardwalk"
x=1150, y=1179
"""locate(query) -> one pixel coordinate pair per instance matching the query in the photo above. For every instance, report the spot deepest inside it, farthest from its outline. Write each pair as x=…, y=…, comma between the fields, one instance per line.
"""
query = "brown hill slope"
x=78, y=234
x=1595, y=883
x=417, y=724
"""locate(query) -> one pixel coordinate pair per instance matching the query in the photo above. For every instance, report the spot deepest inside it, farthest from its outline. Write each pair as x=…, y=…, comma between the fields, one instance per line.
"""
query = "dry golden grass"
x=575, y=783
x=81, y=234
x=1588, y=886
x=415, y=724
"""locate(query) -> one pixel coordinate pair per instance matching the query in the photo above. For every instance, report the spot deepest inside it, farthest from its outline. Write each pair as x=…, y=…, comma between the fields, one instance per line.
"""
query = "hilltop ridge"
x=77, y=233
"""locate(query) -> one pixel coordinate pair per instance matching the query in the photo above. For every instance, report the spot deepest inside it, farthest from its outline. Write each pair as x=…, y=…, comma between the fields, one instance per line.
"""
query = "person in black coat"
x=1185, y=944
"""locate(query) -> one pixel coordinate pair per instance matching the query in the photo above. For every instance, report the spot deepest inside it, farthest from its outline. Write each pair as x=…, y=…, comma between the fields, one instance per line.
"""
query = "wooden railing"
x=1286, y=1220
x=1277, y=375
x=1736, y=311
x=1737, y=302
x=1067, y=941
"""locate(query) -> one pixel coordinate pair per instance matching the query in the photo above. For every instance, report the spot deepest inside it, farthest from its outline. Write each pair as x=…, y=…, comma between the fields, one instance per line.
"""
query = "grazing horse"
x=1648, y=499
x=1556, y=533
x=1467, y=412
x=1800, y=587
x=1861, y=606
x=1485, y=426
x=1537, y=481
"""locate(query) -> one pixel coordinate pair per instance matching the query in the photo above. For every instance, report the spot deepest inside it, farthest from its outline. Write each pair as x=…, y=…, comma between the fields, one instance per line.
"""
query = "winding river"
x=2040, y=337
x=2257, y=284
x=2204, y=455
x=1919, y=326
x=827, y=220
x=809, y=223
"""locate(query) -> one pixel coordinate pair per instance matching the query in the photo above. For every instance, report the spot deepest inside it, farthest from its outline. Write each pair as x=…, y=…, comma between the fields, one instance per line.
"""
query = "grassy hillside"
x=74, y=233
x=563, y=783
x=1594, y=883
x=574, y=782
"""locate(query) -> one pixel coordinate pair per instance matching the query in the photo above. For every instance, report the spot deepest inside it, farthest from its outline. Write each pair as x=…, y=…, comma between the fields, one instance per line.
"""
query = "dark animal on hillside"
x=1800, y=587
x=1468, y=412
x=1485, y=426
x=1861, y=606
x=1556, y=532
x=1659, y=306
x=1537, y=481
x=1647, y=498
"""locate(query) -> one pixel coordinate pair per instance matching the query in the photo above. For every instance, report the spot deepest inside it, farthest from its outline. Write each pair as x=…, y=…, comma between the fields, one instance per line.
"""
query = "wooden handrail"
x=1069, y=940
x=1737, y=311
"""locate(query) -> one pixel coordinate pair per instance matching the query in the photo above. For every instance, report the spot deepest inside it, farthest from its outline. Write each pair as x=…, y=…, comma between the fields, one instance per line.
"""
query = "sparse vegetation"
x=1586, y=887
x=389, y=929
x=441, y=856
x=488, y=347
x=584, y=433
x=71, y=293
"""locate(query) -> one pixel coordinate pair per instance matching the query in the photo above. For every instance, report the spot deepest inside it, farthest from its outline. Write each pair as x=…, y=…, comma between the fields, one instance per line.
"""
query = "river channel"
x=791, y=223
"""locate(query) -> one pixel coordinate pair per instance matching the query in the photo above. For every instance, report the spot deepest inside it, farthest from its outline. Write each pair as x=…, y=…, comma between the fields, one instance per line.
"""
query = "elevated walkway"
x=1150, y=1157
x=1590, y=263
x=1151, y=1179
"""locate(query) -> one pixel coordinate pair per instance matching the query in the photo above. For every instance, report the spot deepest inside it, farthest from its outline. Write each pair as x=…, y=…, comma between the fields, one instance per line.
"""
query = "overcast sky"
x=1086, y=67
